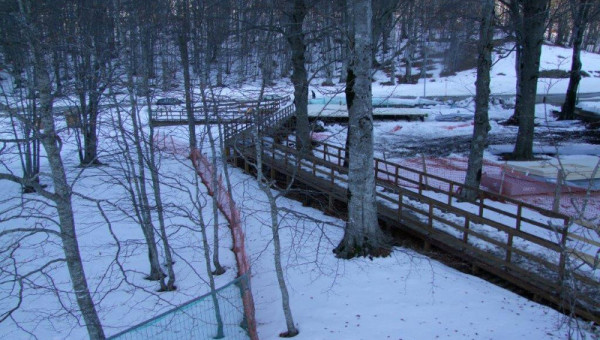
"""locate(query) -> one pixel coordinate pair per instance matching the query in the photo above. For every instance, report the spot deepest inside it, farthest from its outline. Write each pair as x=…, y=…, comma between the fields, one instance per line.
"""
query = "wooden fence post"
x=400, y=203
x=557, y=190
x=425, y=169
x=466, y=232
x=332, y=176
x=481, y=198
x=519, y=216
x=430, y=220
x=563, y=251
x=509, y=244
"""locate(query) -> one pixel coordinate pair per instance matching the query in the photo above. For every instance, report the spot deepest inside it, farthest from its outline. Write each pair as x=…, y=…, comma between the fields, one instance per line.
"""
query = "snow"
x=590, y=106
x=563, y=149
x=340, y=111
x=404, y=296
x=503, y=78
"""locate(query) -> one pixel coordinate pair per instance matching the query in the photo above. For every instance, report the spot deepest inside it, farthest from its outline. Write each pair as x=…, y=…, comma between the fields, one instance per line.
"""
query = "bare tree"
x=362, y=236
x=182, y=42
x=582, y=11
x=482, y=97
x=30, y=28
x=265, y=187
x=24, y=120
x=152, y=163
x=532, y=29
x=91, y=57
x=133, y=170
x=194, y=214
x=206, y=248
x=296, y=11
x=210, y=110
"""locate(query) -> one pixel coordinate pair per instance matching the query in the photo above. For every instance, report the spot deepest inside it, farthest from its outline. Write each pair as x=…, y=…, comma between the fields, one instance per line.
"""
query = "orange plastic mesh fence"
x=227, y=206
x=454, y=168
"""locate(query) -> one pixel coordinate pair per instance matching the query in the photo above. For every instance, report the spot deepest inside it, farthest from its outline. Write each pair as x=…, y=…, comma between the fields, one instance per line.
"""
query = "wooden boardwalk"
x=221, y=112
x=536, y=250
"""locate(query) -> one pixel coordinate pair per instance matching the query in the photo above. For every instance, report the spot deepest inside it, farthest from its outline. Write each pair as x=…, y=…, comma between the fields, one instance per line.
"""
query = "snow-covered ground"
x=404, y=296
x=503, y=76
x=590, y=106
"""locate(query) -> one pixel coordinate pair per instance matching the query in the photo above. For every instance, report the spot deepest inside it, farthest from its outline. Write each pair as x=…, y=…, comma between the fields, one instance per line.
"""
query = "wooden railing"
x=223, y=111
x=536, y=249
x=240, y=129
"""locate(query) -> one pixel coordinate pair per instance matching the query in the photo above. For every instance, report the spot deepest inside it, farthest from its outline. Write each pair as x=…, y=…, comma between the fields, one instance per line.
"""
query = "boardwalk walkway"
x=221, y=112
x=537, y=250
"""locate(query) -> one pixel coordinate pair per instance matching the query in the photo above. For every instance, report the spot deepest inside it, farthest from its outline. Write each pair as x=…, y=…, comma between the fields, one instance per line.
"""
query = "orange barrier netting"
x=232, y=214
x=455, y=168
x=227, y=206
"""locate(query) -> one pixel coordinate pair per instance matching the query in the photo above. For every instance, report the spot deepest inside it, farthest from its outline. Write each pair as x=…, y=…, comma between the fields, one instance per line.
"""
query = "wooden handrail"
x=226, y=109
x=314, y=163
x=458, y=186
x=428, y=214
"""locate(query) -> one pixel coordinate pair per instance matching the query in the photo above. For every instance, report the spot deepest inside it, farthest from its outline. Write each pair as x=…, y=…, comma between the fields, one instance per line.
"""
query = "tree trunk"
x=345, y=48
x=90, y=133
x=148, y=53
x=148, y=227
x=274, y=211
x=579, y=25
x=561, y=34
x=299, y=77
x=516, y=20
x=138, y=192
x=329, y=60
x=64, y=204
x=362, y=236
x=206, y=249
x=185, y=63
x=534, y=25
x=29, y=151
x=166, y=68
x=482, y=97
x=158, y=202
x=214, y=180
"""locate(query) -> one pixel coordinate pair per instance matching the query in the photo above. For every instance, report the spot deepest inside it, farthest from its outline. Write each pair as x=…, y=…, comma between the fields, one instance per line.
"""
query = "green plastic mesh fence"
x=199, y=318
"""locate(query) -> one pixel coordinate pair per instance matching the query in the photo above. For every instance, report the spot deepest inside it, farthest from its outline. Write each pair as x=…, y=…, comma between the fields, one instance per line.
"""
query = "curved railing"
x=536, y=249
